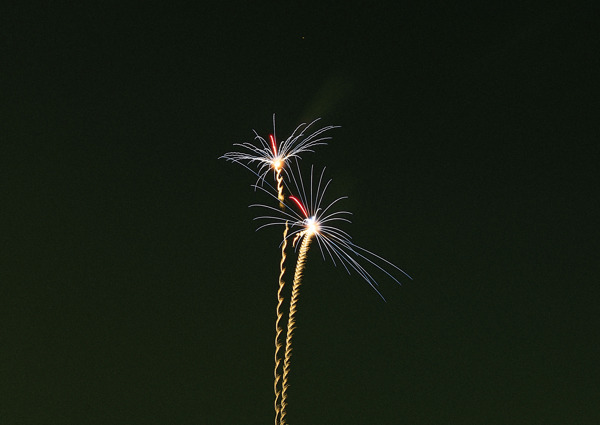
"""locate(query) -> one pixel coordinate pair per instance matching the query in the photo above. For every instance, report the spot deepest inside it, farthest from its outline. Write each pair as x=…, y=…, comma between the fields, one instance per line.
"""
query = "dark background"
x=134, y=288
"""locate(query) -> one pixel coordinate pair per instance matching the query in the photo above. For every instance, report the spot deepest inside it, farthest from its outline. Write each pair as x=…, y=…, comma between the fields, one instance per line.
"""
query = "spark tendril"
x=273, y=145
x=293, y=198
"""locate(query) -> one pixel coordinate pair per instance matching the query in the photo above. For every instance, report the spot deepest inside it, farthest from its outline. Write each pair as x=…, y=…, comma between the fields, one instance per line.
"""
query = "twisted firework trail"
x=279, y=179
x=278, y=329
x=277, y=165
x=292, y=321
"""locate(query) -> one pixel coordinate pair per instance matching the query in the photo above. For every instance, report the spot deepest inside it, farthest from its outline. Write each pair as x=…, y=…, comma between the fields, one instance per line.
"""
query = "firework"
x=309, y=214
x=310, y=219
x=266, y=156
x=292, y=322
x=278, y=330
x=306, y=217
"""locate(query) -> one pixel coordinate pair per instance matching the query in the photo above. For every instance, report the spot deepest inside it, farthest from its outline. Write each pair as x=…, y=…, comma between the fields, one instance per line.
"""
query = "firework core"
x=312, y=226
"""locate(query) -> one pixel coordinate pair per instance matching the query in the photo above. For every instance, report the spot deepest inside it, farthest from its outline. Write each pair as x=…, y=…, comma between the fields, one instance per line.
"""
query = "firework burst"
x=309, y=215
x=306, y=216
x=264, y=155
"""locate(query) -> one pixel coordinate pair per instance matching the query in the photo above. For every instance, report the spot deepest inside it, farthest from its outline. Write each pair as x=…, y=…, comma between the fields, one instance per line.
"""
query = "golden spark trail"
x=278, y=329
x=292, y=320
x=280, y=188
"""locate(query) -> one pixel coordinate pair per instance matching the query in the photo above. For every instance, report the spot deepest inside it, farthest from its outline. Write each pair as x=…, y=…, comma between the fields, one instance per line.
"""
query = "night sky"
x=135, y=290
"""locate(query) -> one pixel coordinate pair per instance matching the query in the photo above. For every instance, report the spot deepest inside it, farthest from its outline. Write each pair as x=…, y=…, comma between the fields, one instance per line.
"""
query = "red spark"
x=273, y=145
x=293, y=198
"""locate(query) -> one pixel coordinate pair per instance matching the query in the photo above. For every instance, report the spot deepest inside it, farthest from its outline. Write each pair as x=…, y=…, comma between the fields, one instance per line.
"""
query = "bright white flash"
x=277, y=163
x=312, y=225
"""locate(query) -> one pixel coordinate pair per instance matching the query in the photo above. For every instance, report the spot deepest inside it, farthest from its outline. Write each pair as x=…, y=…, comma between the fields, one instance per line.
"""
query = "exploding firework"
x=311, y=218
x=308, y=214
x=266, y=155
x=306, y=217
